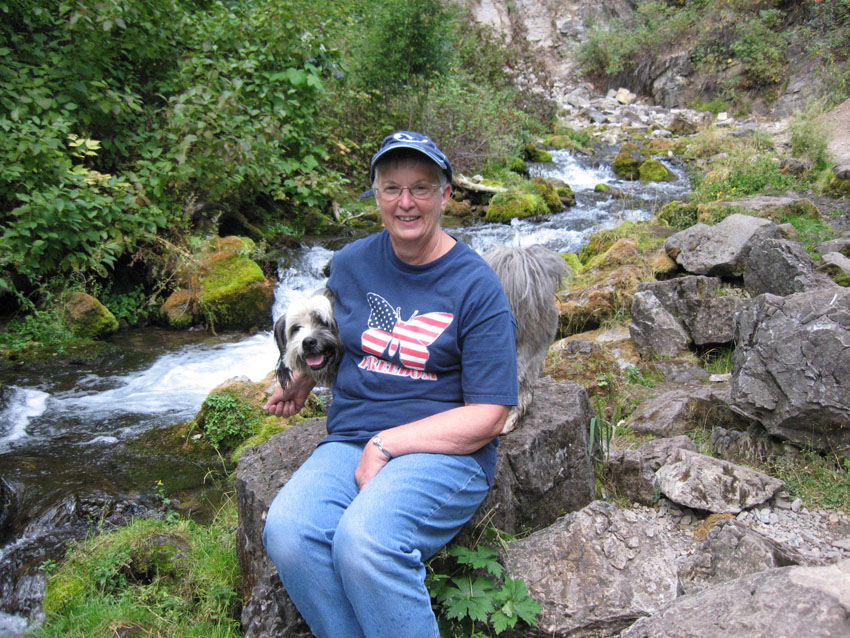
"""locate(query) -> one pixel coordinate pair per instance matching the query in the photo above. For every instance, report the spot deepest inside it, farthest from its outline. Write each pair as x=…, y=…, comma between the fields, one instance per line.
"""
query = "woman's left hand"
x=371, y=462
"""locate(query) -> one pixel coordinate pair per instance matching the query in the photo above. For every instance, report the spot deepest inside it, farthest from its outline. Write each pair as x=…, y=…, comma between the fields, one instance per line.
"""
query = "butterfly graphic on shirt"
x=411, y=338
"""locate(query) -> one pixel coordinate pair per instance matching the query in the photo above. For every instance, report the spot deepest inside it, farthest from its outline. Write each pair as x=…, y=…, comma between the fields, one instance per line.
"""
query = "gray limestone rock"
x=781, y=267
x=729, y=551
x=596, y=570
x=703, y=482
x=789, y=602
x=653, y=329
x=791, y=367
x=722, y=249
x=632, y=472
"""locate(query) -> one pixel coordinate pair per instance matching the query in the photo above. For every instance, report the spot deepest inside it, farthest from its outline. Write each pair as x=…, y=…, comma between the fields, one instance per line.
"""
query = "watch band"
x=376, y=441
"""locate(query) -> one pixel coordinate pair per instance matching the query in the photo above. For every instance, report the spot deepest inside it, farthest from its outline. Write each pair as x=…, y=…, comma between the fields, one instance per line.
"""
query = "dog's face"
x=308, y=340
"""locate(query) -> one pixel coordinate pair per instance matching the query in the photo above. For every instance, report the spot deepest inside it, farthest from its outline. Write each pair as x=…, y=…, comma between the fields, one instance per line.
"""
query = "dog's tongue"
x=315, y=360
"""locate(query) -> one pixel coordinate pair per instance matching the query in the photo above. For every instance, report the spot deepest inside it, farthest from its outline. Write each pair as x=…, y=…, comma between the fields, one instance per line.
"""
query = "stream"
x=65, y=462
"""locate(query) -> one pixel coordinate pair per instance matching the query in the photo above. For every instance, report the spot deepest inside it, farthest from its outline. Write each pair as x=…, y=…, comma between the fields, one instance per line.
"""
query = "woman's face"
x=411, y=222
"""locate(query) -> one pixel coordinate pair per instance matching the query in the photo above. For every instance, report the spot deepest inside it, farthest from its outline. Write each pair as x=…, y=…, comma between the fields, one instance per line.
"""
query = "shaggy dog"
x=308, y=339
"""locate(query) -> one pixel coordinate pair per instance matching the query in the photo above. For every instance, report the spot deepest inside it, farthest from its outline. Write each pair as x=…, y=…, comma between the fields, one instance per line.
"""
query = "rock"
x=722, y=249
x=628, y=161
x=753, y=445
x=729, y=551
x=595, y=571
x=585, y=308
x=683, y=409
x=700, y=305
x=654, y=330
x=837, y=266
x=624, y=96
x=515, y=204
x=633, y=471
x=653, y=170
x=840, y=245
x=543, y=470
x=780, y=267
x=791, y=367
x=531, y=153
x=789, y=601
x=87, y=317
x=702, y=482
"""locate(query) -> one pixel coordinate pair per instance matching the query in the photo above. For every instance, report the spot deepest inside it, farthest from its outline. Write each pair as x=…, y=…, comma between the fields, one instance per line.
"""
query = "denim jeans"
x=352, y=561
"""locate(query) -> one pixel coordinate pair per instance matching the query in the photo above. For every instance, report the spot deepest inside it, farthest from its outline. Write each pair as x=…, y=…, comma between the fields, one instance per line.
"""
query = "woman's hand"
x=371, y=462
x=289, y=401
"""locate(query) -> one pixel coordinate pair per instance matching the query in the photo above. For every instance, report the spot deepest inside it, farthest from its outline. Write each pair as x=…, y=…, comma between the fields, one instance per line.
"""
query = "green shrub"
x=227, y=421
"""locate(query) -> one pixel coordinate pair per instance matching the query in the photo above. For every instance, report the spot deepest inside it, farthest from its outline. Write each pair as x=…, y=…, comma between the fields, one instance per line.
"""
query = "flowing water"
x=64, y=429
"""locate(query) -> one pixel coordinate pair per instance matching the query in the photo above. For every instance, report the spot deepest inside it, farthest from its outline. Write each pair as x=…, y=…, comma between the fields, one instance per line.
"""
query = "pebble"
x=796, y=505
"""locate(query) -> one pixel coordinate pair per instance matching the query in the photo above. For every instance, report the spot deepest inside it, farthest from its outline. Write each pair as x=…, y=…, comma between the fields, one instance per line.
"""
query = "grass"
x=820, y=480
x=150, y=578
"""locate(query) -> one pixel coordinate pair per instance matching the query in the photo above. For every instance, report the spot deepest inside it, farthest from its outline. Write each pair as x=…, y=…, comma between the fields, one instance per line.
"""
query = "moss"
x=560, y=142
x=573, y=262
x=678, y=214
x=627, y=162
x=533, y=154
x=653, y=170
x=506, y=206
x=839, y=187
x=234, y=293
x=517, y=165
x=566, y=195
x=455, y=208
x=180, y=309
x=88, y=318
x=602, y=188
x=660, y=146
x=548, y=192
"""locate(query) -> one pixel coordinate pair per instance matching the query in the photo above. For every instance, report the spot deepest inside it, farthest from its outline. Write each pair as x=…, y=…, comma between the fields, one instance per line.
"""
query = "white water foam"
x=24, y=405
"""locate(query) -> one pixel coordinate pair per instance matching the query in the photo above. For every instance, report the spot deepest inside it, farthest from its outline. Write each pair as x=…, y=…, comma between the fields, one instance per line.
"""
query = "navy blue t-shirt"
x=418, y=340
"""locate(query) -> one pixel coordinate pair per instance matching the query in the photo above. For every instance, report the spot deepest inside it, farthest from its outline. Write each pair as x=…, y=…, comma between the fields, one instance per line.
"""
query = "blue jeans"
x=352, y=561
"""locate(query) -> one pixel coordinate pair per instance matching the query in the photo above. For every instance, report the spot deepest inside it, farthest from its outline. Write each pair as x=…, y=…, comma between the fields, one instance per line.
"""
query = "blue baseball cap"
x=416, y=142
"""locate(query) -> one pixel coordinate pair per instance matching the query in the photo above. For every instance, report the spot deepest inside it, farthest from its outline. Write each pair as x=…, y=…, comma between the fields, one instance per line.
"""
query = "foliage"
x=820, y=480
x=42, y=327
x=476, y=593
x=227, y=420
x=827, y=34
x=155, y=577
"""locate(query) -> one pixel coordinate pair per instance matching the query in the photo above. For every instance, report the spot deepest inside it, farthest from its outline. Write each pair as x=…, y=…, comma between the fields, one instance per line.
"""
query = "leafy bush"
x=226, y=420
x=466, y=596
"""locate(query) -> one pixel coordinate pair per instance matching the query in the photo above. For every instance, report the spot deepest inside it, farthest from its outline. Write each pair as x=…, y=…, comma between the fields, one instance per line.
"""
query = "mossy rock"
x=88, y=318
x=839, y=187
x=455, y=208
x=661, y=145
x=517, y=165
x=180, y=310
x=678, y=214
x=531, y=153
x=574, y=262
x=506, y=206
x=566, y=195
x=653, y=170
x=602, y=188
x=560, y=142
x=548, y=192
x=234, y=292
x=627, y=162
x=243, y=246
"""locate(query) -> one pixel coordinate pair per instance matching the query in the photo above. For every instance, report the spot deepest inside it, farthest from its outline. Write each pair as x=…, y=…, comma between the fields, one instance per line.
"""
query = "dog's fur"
x=530, y=277
x=307, y=337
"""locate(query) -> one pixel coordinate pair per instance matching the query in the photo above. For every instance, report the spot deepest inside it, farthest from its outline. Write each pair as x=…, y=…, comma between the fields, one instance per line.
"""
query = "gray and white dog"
x=308, y=338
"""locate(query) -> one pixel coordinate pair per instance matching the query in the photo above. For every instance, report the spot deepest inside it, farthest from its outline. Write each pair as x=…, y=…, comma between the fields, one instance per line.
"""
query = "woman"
x=423, y=388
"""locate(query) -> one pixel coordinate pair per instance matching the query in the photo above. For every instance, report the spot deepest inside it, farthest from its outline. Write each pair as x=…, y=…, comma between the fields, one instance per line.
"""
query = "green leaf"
x=482, y=556
x=469, y=598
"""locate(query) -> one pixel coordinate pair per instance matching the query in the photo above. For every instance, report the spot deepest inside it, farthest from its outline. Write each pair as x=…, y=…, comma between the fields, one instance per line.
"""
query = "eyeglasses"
x=418, y=191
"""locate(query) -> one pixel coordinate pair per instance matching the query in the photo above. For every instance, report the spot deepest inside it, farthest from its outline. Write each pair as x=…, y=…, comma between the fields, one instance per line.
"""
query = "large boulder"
x=654, y=329
x=704, y=307
x=544, y=470
x=632, y=472
x=731, y=550
x=596, y=571
x=781, y=267
x=703, y=482
x=722, y=249
x=789, y=601
x=791, y=367
x=87, y=317
x=683, y=409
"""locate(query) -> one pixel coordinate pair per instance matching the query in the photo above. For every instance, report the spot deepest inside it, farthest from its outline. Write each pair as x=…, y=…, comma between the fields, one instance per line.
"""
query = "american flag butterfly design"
x=409, y=338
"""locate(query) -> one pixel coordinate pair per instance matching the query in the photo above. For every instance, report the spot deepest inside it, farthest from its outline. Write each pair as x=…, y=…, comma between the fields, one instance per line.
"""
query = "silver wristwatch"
x=376, y=441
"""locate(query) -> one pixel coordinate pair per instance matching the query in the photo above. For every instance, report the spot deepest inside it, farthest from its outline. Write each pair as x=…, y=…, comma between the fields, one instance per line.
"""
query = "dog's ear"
x=282, y=372
x=327, y=292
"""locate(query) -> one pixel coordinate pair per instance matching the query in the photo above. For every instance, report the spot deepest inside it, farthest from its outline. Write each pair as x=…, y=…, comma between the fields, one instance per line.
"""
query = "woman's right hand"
x=289, y=401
